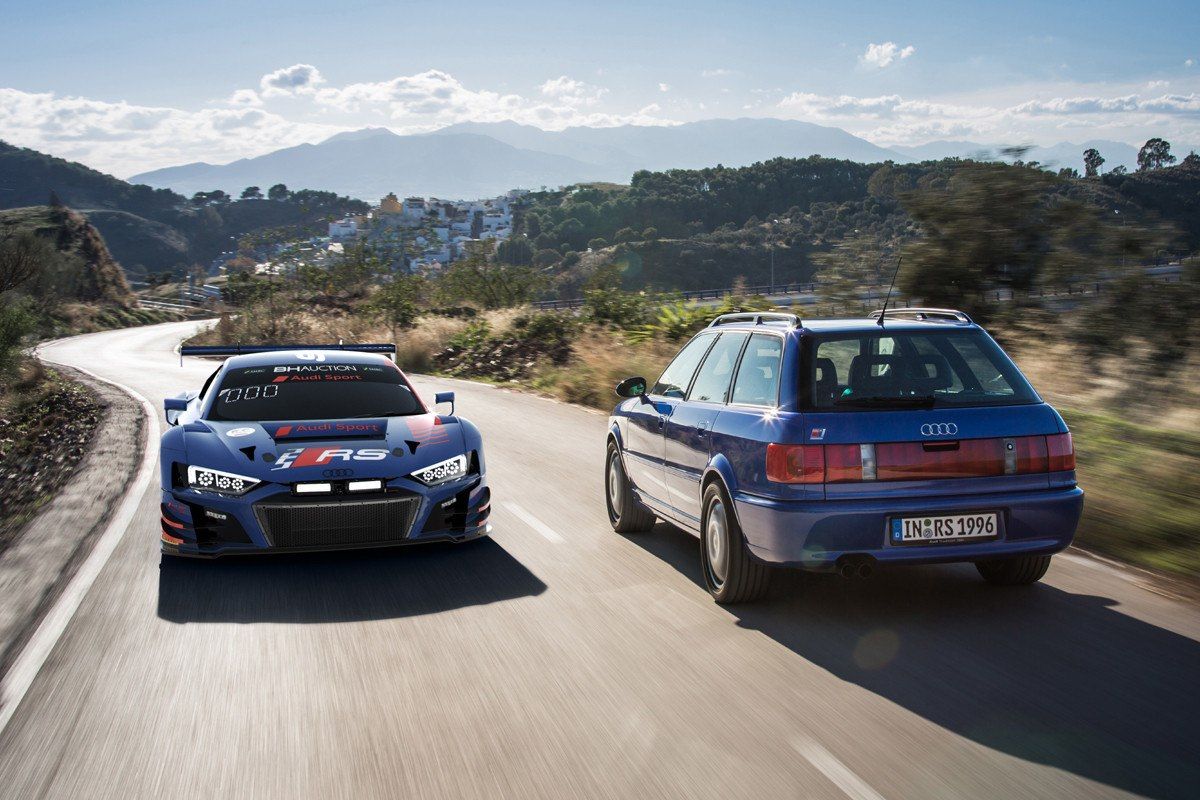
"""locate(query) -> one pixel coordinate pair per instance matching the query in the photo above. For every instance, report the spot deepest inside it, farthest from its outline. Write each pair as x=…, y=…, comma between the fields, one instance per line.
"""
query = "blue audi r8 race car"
x=315, y=447
x=842, y=444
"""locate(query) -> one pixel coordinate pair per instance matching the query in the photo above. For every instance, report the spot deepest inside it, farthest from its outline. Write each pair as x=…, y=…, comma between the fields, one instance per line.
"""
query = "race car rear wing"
x=241, y=349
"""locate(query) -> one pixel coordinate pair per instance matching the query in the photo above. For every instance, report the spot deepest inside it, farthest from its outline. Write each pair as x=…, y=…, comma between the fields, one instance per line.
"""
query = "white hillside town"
x=425, y=234
x=416, y=235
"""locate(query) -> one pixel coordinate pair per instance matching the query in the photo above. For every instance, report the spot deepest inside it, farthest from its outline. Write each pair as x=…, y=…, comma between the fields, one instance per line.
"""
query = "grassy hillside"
x=157, y=230
x=685, y=229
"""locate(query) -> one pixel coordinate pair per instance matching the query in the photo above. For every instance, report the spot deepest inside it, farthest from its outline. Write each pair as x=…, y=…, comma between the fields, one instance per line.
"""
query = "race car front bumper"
x=273, y=519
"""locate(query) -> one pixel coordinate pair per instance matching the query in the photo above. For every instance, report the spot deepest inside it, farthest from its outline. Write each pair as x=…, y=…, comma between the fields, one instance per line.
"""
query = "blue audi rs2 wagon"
x=315, y=447
x=907, y=437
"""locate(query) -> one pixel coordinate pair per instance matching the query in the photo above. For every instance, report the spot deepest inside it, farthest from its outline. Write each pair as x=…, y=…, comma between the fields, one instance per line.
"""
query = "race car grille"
x=349, y=522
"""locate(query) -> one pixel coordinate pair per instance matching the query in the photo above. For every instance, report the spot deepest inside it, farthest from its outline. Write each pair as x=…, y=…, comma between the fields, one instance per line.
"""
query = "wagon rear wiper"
x=878, y=401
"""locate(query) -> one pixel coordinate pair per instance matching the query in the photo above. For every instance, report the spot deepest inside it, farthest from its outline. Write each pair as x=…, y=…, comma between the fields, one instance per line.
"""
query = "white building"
x=344, y=228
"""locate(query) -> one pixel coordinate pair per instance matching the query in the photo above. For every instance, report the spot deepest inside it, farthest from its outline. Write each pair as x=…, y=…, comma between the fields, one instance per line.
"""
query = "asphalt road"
x=558, y=659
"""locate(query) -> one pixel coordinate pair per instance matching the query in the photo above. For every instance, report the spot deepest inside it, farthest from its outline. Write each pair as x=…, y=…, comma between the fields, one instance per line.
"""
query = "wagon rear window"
x=312, y=391
x=914, y=369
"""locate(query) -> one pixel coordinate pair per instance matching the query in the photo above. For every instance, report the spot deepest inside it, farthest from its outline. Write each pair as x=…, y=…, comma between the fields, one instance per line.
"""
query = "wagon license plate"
x=919, y=530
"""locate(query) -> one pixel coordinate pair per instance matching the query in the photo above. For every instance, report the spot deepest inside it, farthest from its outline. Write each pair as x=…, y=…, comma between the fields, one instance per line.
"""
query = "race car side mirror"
x=444, y=397
x=173, y=407
x=632, y=387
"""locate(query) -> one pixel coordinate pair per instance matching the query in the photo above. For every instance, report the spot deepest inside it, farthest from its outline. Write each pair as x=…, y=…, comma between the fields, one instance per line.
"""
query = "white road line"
x=837, y=772
x=29, y=663
x=532, y=521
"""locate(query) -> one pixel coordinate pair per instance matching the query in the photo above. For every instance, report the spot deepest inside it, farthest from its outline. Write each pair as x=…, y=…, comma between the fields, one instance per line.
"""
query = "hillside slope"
x=155, y=230
x=87, y=272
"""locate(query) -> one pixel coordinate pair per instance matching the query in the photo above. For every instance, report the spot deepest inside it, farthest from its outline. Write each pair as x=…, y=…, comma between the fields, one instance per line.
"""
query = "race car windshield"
x=312, y=391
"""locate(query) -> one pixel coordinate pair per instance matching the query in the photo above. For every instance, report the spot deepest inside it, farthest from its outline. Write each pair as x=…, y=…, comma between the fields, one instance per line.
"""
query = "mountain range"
x=485, y=159
x=481, y=159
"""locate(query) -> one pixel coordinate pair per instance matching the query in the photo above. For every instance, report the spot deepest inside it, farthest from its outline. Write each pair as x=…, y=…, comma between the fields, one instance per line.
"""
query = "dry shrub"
x=602, y=359
x=415, y=346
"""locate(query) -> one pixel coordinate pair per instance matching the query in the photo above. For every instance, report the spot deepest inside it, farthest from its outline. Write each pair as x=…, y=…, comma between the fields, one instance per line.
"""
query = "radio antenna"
x=883, y=313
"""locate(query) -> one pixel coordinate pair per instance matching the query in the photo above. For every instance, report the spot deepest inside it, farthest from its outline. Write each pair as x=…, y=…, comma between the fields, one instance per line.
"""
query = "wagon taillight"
x=901, y=461
x=796, y=463
x=1061, y=452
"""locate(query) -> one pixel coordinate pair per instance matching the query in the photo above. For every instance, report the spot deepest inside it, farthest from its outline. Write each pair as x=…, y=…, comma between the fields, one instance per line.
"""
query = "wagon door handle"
x=702, y=425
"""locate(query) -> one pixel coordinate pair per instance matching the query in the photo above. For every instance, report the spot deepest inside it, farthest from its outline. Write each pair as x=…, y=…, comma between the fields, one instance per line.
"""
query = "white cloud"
x=1154, y=85
x=1164, y=104
x=879, y=56
x=895, y=119
x=720, y=72
x=244, y=97
x=124, y=138
x=296, y=79
x=569, y=90
x=1189, y=62
x=664, y=87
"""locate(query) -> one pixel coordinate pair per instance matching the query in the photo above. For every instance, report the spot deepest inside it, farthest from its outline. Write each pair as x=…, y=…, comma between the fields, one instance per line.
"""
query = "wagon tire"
x=626, y=514
x=731, y=574
x=1018, y=571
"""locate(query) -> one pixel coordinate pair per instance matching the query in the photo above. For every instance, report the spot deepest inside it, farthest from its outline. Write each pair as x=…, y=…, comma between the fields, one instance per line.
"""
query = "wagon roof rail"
x=758, y=318
x=924, y=314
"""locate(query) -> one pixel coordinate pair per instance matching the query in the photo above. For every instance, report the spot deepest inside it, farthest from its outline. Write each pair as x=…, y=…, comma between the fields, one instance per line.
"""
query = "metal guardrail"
x=1085, y=288
x=766, y=290
x=144, y=303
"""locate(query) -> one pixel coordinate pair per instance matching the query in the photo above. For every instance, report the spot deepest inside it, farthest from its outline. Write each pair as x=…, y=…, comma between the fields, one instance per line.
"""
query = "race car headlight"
x=214, y=480
x=443, y=471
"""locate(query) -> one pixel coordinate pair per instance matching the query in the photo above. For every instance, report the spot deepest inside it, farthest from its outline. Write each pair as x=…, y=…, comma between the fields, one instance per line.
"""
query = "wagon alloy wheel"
x=716, y=533
x=730, y=573
x=625, y=513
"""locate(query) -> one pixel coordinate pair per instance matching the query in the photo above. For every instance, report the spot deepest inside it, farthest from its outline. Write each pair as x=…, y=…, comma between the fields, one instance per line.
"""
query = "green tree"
x=597, y=244
x=396, y=302
x=489, y=284
x=546, y=258
x=993, y=225
x=533, y=225
x=515, y=250
x=1092, y=161
x=252, y=193
x=16, y=322
x=1155, y=154
x=22, y=255
x=856, y=270
x=278, y=192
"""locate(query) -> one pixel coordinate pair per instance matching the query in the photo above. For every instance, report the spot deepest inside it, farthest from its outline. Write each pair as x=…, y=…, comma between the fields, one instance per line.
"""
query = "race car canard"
x=315, y=447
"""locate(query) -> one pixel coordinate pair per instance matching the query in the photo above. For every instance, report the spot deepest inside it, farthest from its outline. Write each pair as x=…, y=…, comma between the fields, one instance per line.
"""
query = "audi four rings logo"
x=939, y=429
x=337, y=473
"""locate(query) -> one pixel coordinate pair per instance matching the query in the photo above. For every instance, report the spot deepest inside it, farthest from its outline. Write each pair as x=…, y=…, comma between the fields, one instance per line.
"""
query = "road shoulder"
x=51, y=547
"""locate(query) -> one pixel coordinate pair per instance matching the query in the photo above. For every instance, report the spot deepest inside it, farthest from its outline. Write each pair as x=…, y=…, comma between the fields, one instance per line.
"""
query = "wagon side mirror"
x=632, y=387
x=173, y=407
x=445, y=397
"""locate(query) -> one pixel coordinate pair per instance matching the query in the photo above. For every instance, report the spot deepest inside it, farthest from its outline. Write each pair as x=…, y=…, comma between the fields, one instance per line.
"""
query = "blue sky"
x=132, y=86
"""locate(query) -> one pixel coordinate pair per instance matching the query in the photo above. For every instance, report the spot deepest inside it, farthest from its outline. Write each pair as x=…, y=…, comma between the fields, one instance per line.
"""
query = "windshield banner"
x=315, y=429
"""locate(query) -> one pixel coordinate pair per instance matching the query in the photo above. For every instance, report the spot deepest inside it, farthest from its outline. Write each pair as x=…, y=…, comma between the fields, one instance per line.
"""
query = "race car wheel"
x=730, y=574
x=625, y=513
x=1019, y=571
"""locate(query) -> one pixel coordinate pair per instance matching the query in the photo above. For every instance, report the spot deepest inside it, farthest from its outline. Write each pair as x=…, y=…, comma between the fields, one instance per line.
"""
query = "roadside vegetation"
x=47, y=423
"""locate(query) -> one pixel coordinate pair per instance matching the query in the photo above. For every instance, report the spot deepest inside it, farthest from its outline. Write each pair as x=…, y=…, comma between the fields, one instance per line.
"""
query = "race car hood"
x=284, y=452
